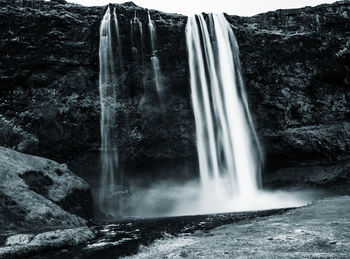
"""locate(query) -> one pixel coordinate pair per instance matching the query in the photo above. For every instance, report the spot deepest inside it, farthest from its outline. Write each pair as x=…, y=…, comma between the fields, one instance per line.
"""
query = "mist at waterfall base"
x=229, y=152
x=172, y=198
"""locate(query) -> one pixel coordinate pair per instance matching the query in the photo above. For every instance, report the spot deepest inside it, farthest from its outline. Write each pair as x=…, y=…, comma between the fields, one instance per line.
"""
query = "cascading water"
x=228, y=149
x=107, y=87
x=154, y=57
x=227, y=146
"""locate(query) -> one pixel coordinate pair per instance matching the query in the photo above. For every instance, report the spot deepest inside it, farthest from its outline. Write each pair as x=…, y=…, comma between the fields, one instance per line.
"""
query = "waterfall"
x=227, y=145
x=107, y=88
x=154, y=57
x=228, y=148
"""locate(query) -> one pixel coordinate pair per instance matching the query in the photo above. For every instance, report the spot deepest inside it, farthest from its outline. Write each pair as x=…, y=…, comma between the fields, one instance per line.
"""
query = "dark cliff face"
x=296, y=65
x=297, y=70
x=49, y=83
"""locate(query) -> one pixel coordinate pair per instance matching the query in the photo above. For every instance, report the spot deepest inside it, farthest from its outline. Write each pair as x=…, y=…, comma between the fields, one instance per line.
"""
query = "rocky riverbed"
x=321, y=229
x=125, y=237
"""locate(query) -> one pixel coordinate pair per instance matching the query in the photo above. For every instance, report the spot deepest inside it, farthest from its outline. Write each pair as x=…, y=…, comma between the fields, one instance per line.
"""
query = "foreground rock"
x=321, y=230
x=38, y=194
x=23, y=245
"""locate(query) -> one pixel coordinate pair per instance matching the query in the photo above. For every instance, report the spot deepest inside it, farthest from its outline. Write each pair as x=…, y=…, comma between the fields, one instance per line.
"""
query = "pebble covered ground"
x=321, y=230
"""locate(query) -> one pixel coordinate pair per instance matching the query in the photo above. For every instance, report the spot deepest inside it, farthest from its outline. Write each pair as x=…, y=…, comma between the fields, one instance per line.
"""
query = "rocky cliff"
x=296, y=65
x=297, y=69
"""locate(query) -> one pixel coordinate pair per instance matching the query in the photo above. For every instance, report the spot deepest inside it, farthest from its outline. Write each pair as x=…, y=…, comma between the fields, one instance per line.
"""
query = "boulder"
x=25, y=245
x=37, y=193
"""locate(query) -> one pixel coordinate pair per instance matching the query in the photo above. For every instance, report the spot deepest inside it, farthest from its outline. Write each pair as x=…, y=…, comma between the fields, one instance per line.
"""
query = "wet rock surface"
x=331, y=177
